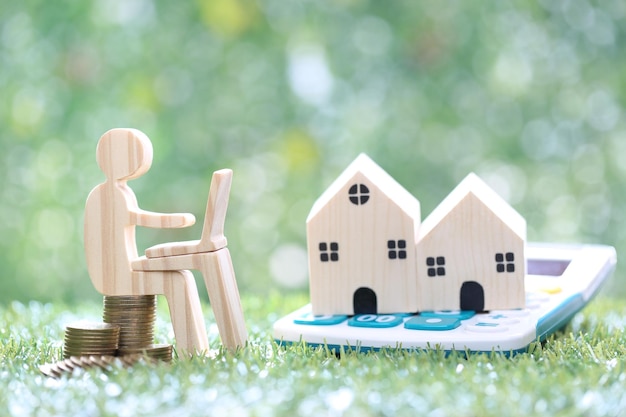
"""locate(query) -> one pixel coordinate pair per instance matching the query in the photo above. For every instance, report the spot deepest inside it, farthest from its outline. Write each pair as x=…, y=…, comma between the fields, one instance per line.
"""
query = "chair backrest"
x=213, y=227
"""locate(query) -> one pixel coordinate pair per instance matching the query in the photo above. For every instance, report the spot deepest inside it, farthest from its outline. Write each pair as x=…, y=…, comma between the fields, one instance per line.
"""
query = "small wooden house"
x=470, y=252
x=361, y=236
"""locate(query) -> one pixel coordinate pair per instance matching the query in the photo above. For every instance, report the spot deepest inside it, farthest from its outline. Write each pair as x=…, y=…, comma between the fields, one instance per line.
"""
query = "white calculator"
x=560, y=281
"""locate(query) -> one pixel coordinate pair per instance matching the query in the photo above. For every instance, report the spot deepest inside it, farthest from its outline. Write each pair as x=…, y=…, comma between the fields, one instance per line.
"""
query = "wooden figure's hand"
x=162, y=220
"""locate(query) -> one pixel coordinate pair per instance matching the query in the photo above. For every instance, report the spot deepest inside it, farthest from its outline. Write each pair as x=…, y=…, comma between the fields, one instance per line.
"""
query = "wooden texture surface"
x=213, y=229
x=368, y=252
x=360, y=222
x=471, y=229
x=111, y=214
x=219, y=278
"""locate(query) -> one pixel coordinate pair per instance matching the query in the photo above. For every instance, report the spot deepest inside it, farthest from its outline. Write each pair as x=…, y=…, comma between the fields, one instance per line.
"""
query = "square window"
x=394, y=247
x=441, y=271
x=505, y=262
x=325, y=256
x=430, y=261
x=441, y=260
x=432, y=272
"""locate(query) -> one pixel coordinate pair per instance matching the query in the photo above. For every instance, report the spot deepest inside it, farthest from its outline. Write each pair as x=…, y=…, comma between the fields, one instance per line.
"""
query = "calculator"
x=560, y=280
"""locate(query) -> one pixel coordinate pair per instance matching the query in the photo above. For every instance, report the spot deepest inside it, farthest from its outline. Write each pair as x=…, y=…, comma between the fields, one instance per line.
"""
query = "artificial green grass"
x=580, y=371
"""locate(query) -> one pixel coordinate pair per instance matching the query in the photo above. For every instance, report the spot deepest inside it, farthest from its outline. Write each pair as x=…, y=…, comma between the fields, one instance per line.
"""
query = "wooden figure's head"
x=124, y=154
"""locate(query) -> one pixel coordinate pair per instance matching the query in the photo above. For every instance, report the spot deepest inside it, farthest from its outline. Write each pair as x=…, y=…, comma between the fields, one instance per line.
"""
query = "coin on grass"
x=162, y=352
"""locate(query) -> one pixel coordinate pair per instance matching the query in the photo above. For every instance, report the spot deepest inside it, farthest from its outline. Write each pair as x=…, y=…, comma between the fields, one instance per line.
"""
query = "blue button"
x=453, y=314
x=487, y=327
x=326, y=320
x=484, y=324
x=375, y=320
x=432, y=323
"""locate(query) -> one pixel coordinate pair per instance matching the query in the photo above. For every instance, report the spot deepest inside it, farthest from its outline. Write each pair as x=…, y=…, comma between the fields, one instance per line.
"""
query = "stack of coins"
x=88, y=338
x=126, y=335
x=136, y=316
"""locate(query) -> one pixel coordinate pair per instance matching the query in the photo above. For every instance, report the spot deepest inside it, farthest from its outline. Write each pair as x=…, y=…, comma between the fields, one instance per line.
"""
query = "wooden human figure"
x=111, y=214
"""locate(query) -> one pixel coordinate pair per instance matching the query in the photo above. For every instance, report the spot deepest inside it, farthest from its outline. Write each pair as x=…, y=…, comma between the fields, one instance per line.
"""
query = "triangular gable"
x=364, y=165
x=472, y=184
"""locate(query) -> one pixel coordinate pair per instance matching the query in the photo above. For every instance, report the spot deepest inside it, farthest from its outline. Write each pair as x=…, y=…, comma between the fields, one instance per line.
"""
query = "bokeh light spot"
x=309, y=74
x=289, y=266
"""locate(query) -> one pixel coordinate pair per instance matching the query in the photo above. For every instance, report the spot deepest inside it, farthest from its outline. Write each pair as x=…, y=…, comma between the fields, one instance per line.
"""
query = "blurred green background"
x=529, y=95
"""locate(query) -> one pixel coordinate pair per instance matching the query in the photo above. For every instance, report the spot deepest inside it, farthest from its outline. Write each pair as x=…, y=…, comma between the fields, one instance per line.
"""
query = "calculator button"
x=455, y=314
x=432, y=323
x=377, y=321
x=512, y=313
x=499, y=318
x=552, y=289
x=486, y=327
x=313, y=320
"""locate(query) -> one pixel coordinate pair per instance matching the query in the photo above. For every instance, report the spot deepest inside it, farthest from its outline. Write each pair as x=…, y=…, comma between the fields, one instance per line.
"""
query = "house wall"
x=469, y=238
x=361, y=233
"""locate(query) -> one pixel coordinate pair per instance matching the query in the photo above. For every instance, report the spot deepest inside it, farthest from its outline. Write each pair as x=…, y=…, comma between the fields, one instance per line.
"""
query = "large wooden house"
x=361, y=242
x=368, y=252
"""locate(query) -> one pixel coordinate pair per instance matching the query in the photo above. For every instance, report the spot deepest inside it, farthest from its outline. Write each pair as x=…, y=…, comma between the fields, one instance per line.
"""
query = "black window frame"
x=329, y=252
x=396, y=249
x=436, y=266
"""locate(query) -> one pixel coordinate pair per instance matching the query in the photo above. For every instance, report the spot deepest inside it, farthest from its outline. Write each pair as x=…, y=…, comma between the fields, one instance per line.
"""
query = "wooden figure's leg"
x=219, y=277
x=181, y=293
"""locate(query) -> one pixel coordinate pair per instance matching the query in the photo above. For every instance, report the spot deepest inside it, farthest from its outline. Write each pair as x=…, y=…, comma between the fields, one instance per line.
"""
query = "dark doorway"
x=472, y=296
x=364, y=301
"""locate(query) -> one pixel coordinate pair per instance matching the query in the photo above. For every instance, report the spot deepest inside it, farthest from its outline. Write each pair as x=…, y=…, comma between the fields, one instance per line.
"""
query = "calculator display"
x=553, y=268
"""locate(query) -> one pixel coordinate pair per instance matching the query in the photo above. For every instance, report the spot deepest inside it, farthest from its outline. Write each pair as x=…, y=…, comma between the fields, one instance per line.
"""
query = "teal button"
x=453, y=314
x=375, y=321
x=432, y=323
x=326, y=320
x=483, y=324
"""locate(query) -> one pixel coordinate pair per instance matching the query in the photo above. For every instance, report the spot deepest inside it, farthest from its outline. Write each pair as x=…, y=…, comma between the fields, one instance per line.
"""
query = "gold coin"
x=155, y=351
x=86, y=326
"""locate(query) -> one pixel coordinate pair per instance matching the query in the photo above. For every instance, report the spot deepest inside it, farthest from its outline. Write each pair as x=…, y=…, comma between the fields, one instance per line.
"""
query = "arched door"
x=472, y=296
x=364, y=301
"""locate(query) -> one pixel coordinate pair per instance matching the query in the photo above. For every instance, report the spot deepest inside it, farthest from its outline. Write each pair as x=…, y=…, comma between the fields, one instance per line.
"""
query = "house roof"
x=472, y=185
x=365, y=166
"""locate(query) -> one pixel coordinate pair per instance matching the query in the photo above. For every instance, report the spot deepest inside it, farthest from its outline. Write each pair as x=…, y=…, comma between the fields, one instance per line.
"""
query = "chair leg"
x=219, y=277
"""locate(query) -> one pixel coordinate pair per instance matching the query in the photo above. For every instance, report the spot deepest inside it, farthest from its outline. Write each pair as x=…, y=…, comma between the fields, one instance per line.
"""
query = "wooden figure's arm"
x=161, y=220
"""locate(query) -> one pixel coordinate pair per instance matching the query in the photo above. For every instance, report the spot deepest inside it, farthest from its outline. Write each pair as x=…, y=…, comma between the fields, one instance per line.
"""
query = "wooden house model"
x=470, y=252
x=361, y=242
x=368, y=252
